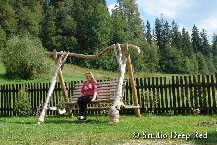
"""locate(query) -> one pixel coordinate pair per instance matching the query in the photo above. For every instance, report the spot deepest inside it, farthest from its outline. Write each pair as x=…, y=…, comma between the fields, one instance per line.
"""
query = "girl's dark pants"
x=82, y=103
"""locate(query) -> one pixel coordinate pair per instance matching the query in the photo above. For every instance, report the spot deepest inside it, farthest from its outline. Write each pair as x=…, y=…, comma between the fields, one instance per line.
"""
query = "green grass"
x=70, y=73
x=75, y=73
x=97, y=130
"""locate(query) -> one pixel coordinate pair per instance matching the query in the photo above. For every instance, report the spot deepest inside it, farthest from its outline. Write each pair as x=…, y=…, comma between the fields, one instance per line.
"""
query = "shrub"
x=23, y=106
x=24, y=58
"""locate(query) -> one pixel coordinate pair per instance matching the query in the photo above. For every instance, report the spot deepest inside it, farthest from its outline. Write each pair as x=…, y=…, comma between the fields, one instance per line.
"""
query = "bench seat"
x=106, y=91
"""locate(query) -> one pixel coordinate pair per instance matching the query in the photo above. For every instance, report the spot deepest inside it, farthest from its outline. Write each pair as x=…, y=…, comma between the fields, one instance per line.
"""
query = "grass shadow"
x=90, y=121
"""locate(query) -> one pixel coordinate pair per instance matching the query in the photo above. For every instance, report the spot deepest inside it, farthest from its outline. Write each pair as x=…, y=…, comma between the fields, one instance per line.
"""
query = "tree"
x=173, y=61
x=206, y=50
x=8, y=21
x=158, y=32
x=175, y=36
x=196, y=40
x=205, y=47
x=148, y=35
x=29, y=16
x=119, y=27
x=186, y=44
x=49, y=28
x=131, y=15
x=150, y=56
x=65, y=26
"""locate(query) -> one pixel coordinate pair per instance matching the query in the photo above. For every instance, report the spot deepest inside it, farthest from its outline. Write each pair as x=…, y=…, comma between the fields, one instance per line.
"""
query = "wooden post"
x=114, y=110
x=63, y=86
x=130, y=72
x=52, y=86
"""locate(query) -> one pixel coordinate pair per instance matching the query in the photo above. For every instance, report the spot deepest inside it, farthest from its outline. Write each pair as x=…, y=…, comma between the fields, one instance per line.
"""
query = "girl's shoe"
x=82, y=118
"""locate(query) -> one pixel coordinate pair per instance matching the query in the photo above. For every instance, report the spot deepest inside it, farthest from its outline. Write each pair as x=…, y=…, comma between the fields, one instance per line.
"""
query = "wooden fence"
x=176, y=95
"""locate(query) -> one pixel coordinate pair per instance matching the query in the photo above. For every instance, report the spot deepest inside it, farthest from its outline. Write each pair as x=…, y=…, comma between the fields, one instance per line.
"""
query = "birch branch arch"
x=123, y=58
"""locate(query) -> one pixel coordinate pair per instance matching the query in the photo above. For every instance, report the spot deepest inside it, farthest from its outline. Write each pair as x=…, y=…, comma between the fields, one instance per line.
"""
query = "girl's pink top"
x=88, y=89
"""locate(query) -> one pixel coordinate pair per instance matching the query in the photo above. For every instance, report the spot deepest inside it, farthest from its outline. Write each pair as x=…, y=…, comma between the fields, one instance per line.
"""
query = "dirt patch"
x=208, y=123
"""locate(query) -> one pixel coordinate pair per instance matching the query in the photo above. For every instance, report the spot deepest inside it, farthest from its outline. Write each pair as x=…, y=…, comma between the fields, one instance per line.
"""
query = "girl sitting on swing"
x=88, y=93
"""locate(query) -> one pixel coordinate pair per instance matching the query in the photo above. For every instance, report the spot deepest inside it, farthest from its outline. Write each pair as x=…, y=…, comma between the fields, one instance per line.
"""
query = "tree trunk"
x=114, y=110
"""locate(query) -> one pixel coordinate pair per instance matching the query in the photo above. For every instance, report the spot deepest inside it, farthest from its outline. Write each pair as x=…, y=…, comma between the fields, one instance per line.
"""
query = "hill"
x=74, y=73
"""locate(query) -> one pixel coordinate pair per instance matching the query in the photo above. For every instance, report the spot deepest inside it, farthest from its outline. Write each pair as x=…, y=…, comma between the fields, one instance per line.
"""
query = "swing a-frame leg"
x=60, y=61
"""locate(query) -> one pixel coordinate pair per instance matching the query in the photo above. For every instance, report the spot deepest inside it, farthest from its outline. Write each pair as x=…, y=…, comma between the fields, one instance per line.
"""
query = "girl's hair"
x=91, y=74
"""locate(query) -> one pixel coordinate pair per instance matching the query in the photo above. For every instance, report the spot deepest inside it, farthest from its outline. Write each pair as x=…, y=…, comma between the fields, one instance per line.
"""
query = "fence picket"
x=155, y=94
x=213, y=95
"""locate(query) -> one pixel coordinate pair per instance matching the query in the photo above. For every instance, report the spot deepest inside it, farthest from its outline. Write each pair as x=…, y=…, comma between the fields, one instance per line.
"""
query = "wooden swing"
x=108, y=91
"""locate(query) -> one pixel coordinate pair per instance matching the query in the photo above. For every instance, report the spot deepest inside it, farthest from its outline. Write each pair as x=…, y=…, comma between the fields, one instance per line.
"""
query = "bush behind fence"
x=177, y=95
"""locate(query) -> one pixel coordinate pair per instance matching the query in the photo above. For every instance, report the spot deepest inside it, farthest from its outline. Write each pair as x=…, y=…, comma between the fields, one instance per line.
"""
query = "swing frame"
x=60, y=57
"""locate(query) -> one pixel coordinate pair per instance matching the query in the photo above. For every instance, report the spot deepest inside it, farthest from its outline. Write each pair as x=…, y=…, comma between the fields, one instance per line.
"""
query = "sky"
x=186, y=13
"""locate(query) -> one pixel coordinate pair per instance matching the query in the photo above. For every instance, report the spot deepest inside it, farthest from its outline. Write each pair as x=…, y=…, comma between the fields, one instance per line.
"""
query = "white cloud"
x=209, y=24
x=169, y=8
x=110, y=7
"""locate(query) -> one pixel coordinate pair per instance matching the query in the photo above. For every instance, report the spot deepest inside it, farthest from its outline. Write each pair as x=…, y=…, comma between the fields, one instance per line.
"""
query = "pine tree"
x=175, y=36
x=196, y=40
x=162, y=31
x=148, y=34
x=205, y=47
x=131, y=15
x=158, y=32
x=119, y=26
x=186, y=44
x=206, y=50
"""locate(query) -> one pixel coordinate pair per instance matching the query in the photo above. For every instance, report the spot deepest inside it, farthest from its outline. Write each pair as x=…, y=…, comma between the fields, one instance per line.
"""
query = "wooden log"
x=103, y=52
x=63, y=87
x=49, y=94
x=130, y=72
x=114, y=110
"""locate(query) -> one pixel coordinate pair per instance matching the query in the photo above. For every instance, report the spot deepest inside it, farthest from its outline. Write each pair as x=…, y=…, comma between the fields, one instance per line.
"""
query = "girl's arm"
x=81, y=94
x=94, y=95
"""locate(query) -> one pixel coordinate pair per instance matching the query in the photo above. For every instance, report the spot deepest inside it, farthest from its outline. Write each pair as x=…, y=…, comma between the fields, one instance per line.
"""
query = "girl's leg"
x=82, y=103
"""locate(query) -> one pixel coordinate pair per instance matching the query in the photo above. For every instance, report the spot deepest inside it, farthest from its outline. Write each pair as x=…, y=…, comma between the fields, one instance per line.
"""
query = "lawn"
x=75, y=73
x=97, y=130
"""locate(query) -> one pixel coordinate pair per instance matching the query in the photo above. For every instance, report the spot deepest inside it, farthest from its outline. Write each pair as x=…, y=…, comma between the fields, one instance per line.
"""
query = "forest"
x=87, y=27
